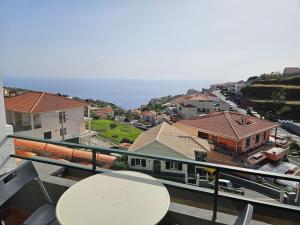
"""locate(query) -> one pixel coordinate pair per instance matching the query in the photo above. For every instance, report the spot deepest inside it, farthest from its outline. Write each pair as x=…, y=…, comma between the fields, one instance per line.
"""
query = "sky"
x=157, y=39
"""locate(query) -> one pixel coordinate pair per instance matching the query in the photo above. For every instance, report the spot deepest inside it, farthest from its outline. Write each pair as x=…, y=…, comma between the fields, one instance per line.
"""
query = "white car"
x=225, y=183
x=227, y=186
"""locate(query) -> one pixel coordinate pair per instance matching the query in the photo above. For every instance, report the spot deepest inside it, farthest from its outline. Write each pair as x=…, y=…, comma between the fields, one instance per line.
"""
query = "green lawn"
x=116, y=133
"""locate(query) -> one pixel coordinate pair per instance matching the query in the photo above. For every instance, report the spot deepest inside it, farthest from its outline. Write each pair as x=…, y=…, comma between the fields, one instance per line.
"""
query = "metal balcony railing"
x=218, y=167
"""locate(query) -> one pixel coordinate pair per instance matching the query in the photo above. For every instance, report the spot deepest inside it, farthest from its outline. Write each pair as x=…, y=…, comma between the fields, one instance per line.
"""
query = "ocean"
x=127, y=93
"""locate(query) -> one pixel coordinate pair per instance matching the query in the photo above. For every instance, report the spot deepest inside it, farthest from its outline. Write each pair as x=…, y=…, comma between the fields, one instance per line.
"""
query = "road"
x=280, y=131
x=258, y=196
x=294, y=160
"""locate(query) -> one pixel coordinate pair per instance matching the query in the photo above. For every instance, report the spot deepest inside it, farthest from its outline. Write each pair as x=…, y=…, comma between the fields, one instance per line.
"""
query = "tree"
x=278, y=97
x=283, y=111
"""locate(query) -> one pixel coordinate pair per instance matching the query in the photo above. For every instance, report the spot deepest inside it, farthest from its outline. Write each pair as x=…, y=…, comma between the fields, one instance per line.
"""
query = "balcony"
x=19, y=128
x=189, y=204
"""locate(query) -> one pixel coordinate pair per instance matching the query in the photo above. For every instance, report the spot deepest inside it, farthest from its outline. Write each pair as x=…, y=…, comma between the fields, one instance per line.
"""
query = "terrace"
x=23, y=121
x=189, y=204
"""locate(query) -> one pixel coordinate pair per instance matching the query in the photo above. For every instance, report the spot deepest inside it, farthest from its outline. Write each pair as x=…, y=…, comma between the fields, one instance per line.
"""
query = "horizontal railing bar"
x=165, y=182
x=55, y=162
x=222, y=168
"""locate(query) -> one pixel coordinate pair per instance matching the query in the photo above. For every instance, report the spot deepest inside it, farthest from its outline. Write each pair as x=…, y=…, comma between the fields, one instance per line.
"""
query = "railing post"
x=216, y=195
x=94, y=160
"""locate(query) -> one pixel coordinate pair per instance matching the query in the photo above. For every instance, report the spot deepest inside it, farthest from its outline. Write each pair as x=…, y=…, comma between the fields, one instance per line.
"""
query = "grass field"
x=117, y=132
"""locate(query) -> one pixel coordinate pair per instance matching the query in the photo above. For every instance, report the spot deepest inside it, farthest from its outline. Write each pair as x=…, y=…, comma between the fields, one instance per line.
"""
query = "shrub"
x=119, y=166
x=126, y=140
x=283, y=111
x=115, y=136
x=113, y=126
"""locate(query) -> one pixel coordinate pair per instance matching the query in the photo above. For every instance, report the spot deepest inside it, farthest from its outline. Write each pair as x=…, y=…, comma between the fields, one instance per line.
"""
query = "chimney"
x=6, y=144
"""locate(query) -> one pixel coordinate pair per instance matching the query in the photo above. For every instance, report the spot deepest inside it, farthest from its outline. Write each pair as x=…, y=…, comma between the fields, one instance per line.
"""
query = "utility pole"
x=62, y=130
x=61, y=118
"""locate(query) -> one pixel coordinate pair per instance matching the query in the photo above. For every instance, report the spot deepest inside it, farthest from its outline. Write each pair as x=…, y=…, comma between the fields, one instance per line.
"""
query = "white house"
x=5, y=92
x=44, y=115
x=189, y=106
x=290, y=71
x=236, y=87
x=168, y=141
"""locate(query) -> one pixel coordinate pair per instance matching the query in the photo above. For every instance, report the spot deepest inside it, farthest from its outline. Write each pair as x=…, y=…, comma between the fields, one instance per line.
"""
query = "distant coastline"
x=127, y=93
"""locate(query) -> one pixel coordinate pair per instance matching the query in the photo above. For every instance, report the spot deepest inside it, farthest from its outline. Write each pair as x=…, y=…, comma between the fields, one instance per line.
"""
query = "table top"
x=113, y=198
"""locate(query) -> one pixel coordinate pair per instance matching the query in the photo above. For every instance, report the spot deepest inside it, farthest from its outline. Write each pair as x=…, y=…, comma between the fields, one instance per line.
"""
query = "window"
x=133, y=162
x=200, y=156
x=86, y=111
x=202, y=135
x=214, y=138
x=143, y=162
x=138, y=162
x=173, y=165
x=248, y=142
x=47, y=135
x=265, y=135
x=257, y=138
x=170, y=165
x=36, y=117
x=62, y=117
x=201, y=171
x=61, y=131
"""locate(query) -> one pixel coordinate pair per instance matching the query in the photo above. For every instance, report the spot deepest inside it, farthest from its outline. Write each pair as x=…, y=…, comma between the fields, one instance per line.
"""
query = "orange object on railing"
x=56, y=151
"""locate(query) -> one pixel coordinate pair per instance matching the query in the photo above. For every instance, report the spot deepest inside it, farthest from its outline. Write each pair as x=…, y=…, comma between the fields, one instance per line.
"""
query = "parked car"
x=227, y=186
x=225, y=183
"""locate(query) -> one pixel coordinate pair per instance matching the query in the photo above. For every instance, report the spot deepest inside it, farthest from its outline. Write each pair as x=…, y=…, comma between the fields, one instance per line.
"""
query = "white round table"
x=114, y=198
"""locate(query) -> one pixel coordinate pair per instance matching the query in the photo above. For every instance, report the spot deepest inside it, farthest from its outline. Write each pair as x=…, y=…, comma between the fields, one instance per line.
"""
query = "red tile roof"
x=33, y=102
x=203, y=97
x=148, y=113
x=196, y=97
x=232, y=125
x=105, y=110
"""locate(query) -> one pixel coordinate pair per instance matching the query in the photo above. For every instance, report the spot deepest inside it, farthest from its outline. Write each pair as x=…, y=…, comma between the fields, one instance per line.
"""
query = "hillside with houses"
x=203, y=126
x=275, y=95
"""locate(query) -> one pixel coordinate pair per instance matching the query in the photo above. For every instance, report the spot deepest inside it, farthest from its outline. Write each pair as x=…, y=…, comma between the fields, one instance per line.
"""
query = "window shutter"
x=179, y=166
x=60, y=117
x=133, y=162
x=143, y=162
x=167, y=165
